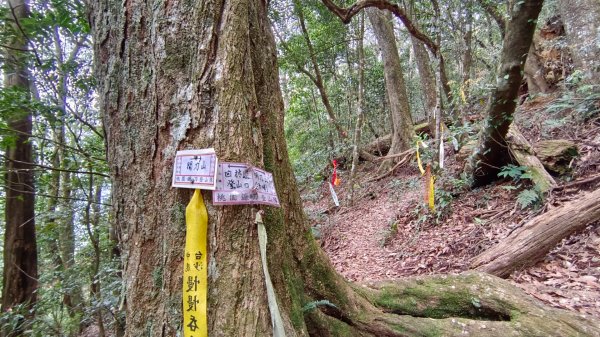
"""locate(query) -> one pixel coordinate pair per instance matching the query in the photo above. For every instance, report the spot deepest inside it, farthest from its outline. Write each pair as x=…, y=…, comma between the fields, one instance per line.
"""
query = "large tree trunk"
x=582, y=22
x=19, y=281
x=204, y=74
x=403, y=130
x=491, y=152
x=530, y=243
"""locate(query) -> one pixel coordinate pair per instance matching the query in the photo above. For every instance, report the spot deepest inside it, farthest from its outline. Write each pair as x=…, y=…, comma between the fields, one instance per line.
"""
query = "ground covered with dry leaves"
x=390, y=233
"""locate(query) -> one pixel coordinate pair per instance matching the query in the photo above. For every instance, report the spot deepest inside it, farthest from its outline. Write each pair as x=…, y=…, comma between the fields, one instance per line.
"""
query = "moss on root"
x=439, y=298
x=473, y=304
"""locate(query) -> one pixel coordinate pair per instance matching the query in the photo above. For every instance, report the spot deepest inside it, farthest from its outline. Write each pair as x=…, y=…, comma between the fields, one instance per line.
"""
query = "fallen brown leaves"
x=389, y=234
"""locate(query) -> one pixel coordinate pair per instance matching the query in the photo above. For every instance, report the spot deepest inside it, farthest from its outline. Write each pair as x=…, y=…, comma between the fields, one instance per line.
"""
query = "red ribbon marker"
x=334, y=178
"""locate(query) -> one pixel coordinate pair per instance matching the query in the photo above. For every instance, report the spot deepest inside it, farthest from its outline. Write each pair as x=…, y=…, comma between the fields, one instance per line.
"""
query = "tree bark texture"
x=582, y=25
x=491, y=152
x=19, y=281
x=530, y=243
x=403, y=129
x=201, y=74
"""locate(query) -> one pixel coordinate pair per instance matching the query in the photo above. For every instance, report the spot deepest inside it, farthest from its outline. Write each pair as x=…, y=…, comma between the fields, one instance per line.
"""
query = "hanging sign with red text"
x=243, y=184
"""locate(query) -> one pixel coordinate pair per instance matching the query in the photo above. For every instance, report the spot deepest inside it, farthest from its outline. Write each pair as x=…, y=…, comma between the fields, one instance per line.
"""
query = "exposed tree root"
x=470, y=304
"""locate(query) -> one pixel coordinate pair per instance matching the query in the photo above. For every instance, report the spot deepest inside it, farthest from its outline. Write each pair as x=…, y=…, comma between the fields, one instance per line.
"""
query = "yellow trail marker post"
x=195, y=273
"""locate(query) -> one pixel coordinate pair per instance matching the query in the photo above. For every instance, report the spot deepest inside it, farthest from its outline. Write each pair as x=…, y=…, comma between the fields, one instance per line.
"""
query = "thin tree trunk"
x=53, y=191
x=492, y=153
x=467, y=56
x=492, y=9
x=19, y=282
x=427, y=80
x=443, y=74
x=317, y=78
x=72, y=297
x=92, y=222
x=360, y=107
x=403, y=129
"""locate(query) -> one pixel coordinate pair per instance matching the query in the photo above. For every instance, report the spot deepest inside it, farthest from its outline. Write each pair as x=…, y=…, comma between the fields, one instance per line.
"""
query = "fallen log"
x=530, y=243
x=556, y=154
x=523, y=154
x=381, y=145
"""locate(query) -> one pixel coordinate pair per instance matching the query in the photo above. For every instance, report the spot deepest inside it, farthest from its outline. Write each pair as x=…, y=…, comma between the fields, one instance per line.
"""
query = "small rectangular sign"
x=243, y=184
x=195, y=169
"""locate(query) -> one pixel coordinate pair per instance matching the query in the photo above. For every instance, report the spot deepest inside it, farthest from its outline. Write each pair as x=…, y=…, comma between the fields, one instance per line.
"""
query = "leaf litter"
x=388, y=234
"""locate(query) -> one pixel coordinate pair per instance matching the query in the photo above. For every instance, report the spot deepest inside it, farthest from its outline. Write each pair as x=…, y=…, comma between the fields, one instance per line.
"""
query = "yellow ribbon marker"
x=431, y=193
x=195, y=273
x=419, y=160
x=462, y=95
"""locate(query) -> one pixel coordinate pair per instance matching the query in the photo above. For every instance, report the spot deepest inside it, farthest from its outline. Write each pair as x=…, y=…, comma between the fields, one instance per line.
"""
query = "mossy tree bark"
x=200, y=74
x=492, y=152
x=19, y=281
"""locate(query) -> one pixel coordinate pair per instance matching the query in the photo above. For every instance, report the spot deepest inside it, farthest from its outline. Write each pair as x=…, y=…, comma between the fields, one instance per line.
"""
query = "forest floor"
x=390, y=233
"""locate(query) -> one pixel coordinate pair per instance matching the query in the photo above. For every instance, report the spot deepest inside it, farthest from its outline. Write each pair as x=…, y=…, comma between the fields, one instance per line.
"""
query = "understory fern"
x=527, y=198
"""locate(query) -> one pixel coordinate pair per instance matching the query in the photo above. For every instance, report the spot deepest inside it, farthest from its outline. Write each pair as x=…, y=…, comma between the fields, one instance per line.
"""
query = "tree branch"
x=52, y=168
x=492, y=10
x=346, y=14
x=80, y=151
x=54, y=196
